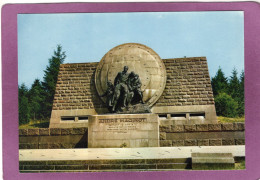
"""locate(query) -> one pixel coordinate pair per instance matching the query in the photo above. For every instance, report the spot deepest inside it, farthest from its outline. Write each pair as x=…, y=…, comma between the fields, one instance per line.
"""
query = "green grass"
x=240, y=166
x=222, y=119
x=36, y=124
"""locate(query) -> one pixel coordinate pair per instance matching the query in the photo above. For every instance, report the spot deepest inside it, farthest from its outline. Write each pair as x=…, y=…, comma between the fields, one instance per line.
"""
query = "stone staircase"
x=106, y=165
x=130, y=159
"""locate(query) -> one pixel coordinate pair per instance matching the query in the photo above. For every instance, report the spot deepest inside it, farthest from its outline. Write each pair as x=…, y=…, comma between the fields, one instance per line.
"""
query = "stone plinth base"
x=123, y=130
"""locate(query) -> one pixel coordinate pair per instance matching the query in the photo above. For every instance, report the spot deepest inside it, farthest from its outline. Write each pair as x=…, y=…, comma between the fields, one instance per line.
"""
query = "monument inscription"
x=133, y=130
x=122, y=125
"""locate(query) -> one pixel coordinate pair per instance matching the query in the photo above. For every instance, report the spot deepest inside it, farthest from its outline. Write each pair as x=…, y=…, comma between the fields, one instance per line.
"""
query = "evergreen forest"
x=35, y=103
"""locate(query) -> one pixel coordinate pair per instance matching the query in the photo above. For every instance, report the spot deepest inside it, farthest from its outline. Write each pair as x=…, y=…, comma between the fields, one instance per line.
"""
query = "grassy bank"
x=240, y=165
x=222, y=119
x=36, y=124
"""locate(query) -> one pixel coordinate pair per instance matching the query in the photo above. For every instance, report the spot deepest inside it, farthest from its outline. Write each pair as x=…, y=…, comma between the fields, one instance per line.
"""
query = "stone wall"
x=170, y=135
x=202, y=135
x=188, y=89
x=188, y=83
x=53, y=138
x=75, y=87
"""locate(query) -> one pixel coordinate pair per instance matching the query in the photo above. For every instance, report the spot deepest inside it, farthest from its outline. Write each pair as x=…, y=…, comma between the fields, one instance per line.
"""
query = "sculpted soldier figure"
x=121, y=87
x=134, y=85
x=109, y=93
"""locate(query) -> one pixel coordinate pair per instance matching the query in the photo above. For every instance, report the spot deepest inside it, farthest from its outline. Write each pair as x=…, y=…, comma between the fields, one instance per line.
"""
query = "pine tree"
x=219, y=83
x=226, y=105
x=24, y=111
x=228, y=93
x=241, y=100
x=234, y=86
x=241, y=85
x=36, y=100
x=50, y=79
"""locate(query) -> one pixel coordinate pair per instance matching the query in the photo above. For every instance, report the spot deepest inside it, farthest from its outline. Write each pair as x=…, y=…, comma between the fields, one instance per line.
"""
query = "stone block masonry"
x=123, y=159
x=202, y=135
x=53, y=138
x=188, y=90
x=75, y=87
x=169, y=136
x=123, y=130
x=188, y=83
x=105, y=165
x=209, y=161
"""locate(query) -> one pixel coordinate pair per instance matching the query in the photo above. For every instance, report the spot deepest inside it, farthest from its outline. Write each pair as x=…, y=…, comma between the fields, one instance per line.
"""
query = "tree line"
x=229, y=94
x=35, y=103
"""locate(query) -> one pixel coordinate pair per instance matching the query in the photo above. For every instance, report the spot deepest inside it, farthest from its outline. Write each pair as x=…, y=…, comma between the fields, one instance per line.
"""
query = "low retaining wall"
x=53, y=138
x=202, y=135
x=170, y=135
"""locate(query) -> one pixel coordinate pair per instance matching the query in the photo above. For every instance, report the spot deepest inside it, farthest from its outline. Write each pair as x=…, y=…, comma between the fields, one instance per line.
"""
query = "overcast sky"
x=86, y=37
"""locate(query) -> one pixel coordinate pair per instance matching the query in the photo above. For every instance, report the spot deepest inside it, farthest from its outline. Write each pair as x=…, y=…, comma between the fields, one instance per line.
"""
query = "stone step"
x=97, y=165
x=217, y=155
x=112, y=161
x=204, y=161
x=125, y=153
x=117, y=170
x=121, y=159
x=174, y=166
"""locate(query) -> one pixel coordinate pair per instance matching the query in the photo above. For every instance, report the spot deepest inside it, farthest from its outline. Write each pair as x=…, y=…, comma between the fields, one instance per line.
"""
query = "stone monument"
x=177, y=90
x=129, y=79
x=131, y=99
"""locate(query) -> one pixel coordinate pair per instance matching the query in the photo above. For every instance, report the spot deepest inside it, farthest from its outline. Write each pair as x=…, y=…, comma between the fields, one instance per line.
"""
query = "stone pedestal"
x=123, y=130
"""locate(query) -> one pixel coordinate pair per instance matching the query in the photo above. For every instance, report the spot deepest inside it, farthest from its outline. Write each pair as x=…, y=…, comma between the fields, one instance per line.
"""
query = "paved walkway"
x=124, y=153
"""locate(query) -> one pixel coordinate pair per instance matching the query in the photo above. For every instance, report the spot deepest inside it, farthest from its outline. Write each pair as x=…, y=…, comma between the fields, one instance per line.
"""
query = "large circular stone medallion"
x=139, y=58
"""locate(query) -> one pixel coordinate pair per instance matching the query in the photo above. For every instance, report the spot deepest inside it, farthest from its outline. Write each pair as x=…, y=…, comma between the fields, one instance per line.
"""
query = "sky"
x=87, y=37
